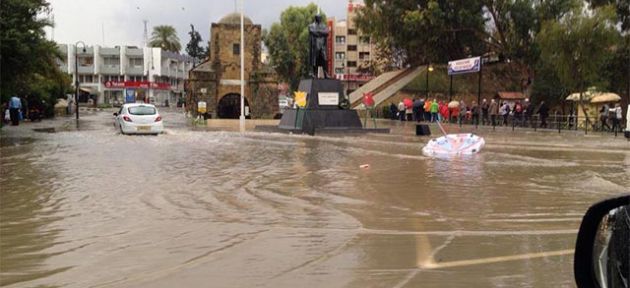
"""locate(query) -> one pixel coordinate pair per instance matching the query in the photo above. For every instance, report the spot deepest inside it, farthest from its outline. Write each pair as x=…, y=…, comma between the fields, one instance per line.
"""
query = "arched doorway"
x=230, y=106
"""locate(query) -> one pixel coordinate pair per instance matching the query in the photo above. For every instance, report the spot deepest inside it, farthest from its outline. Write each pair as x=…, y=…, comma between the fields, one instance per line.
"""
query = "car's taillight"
x=158, y=119
x=126, y=118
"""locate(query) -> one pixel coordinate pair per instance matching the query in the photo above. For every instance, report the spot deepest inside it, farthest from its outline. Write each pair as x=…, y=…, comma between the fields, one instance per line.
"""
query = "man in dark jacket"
x=543, y=110
x=393, y=110
x=418, y=105
x=475, y=113
x=494, y=111
x=485, y=109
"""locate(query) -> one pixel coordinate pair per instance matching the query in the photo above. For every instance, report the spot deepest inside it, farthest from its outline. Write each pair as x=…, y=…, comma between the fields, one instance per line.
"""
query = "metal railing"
x=553, y=122
x=557, y=122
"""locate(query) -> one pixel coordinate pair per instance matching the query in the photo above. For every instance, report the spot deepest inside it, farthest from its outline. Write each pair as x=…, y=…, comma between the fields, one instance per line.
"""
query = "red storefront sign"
x=330, y=53
x=138, y=85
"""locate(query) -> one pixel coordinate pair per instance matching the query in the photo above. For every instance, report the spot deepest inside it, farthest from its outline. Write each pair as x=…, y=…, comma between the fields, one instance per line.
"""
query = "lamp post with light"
x=429, y=69
x=76, y=75
x=242, y=117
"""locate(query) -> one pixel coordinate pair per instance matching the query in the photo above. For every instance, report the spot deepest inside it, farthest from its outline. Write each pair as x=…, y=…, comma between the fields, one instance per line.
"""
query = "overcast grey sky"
x=121, y=20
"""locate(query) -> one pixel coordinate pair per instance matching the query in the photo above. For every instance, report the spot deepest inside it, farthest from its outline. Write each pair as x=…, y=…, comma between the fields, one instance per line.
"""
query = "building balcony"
x=135, y=70
x=135, y=52
x=86, y=69
x=110, y=69
x=89, y=51
x=109, y=51
x=165, y=72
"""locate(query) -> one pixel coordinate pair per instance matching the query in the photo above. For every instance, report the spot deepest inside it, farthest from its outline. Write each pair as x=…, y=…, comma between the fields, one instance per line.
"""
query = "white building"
x=126, y=74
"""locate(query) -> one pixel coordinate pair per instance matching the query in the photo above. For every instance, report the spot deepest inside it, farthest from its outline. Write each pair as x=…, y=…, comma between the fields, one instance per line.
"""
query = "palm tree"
x=165, y=37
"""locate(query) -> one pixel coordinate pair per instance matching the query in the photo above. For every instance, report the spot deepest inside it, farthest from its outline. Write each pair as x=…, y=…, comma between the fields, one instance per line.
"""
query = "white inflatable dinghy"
x=454, y=144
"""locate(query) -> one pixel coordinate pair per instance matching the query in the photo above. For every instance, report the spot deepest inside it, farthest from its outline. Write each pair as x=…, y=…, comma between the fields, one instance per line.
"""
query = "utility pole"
x=242, y=118
x=628, y=64
x=146, y=34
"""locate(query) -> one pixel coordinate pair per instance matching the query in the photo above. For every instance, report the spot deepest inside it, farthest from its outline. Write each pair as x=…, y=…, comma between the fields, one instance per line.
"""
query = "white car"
x=138, y=118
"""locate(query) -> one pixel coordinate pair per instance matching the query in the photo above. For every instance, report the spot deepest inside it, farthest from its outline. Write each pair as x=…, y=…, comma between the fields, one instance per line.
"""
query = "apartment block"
x=116, y=75
x=351, y=50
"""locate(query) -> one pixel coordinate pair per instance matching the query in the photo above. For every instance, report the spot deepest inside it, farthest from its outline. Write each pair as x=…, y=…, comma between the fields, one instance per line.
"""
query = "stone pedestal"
x=322, y=111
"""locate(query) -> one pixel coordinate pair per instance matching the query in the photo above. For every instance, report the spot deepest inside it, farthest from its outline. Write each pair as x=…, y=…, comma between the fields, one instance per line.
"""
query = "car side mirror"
x=603, y=245
x=115, y=114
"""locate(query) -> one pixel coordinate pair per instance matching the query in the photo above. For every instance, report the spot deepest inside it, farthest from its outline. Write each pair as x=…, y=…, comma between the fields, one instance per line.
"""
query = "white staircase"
x=389, y=87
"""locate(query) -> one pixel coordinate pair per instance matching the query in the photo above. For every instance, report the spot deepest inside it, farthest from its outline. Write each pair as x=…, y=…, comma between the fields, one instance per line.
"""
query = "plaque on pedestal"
x=325, y=97
x=322, y=109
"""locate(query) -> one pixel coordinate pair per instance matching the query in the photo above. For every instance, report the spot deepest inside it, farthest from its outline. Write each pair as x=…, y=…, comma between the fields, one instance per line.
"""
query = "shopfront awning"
x=88, y=90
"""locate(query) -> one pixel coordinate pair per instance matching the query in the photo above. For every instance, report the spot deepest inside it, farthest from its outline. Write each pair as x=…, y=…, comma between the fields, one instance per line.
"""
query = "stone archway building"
x=219, y=75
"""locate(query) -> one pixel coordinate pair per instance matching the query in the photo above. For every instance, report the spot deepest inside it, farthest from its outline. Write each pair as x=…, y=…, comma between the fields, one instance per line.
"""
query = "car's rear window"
x=142, y=110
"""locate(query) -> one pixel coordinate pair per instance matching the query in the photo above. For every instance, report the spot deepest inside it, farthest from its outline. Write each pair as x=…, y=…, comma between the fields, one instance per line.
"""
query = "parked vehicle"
x=627, y=131
x=137, y=118
x=602, y=248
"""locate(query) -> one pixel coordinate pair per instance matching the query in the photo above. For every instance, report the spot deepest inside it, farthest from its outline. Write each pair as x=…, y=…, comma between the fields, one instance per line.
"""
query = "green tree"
x=622, y=8
x=287, y=42
x=579, y=46
x=165, y=37
x=549, y=10
x=618, y=69
x=422, y=31
x=548, y=86
x=513, y=26
x=27, y=57
x=192, y=48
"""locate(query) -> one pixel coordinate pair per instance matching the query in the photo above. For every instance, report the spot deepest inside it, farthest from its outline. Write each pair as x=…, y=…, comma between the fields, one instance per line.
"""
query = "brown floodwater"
x=88, y=207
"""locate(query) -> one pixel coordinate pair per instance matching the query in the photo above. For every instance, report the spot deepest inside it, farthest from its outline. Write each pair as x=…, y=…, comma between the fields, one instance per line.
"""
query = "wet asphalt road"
x=87, y=207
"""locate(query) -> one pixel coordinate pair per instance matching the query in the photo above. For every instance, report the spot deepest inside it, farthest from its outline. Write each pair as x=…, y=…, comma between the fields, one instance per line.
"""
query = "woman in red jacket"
x=443, y=111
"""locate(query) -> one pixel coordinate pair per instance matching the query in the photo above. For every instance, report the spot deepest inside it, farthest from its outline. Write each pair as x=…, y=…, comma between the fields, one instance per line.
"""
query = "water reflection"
x=29, y=211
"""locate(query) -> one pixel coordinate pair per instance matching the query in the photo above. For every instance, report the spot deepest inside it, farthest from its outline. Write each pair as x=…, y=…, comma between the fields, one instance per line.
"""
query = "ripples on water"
x=201, y=205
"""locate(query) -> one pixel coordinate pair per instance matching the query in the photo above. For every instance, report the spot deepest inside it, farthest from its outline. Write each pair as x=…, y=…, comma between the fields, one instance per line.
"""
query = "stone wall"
x=225, y=61
x=201, y=86
x=221, y=74
x=264, y=101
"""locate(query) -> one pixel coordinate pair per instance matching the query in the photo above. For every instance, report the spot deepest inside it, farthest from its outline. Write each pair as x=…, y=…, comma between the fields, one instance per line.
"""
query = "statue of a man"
x=318, y=40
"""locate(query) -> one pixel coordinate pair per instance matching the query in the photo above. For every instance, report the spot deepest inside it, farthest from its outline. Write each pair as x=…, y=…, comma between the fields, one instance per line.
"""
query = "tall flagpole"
x=242, y=118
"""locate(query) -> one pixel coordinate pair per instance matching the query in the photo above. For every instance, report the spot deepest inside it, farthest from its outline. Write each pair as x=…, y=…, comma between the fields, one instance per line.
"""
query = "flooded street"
x=194, y=208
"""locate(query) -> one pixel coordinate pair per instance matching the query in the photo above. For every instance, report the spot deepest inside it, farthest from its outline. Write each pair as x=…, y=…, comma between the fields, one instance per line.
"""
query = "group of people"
x=17, y=109
x=418, y=110
x=521, y=113
x=613, y=115
x=491, y=112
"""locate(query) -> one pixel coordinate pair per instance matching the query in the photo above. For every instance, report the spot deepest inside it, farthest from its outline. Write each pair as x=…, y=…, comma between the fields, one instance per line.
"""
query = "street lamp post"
x=242, y=118
x=76, y=75
x=345, y=76
x=429, y=69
